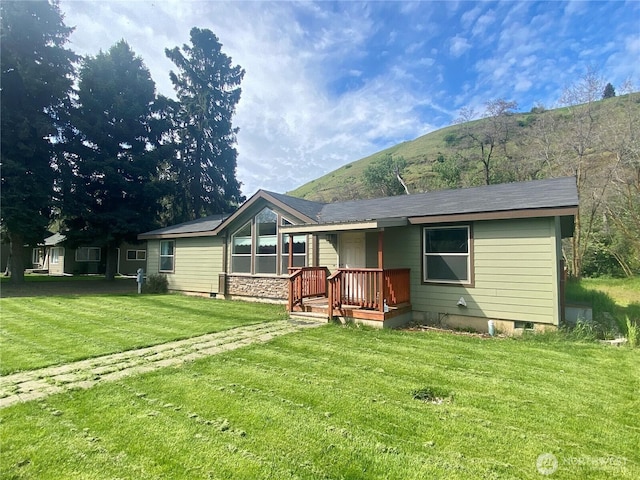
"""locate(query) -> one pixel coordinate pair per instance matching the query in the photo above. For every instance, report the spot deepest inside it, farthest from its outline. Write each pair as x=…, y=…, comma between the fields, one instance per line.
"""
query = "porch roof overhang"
x=566, y=215
x=373, y=224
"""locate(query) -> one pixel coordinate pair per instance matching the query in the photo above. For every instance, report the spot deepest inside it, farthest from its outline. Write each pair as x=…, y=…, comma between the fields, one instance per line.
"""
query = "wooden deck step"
x=308, y=316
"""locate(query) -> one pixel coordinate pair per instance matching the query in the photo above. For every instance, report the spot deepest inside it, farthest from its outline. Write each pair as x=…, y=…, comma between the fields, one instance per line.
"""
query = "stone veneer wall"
x=269, y=288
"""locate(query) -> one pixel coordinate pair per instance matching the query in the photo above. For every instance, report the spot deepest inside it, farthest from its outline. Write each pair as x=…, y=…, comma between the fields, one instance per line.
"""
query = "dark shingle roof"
x=537, y=194
x=306, y=207
x=199, y=225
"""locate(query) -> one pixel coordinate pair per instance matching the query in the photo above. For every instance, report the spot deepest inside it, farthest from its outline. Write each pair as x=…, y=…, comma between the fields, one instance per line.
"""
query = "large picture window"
x=267, y=241
x=241, y=250
x=167, y=255
x=88, y=254
x=447, y=255
x=258, y=244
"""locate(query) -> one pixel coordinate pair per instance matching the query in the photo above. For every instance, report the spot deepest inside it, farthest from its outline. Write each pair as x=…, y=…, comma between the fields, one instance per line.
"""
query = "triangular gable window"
x=257, y=245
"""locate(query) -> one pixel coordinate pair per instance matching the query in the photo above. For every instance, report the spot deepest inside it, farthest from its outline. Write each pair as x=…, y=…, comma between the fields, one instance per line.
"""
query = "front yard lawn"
x=41, y=331
x=337, y=402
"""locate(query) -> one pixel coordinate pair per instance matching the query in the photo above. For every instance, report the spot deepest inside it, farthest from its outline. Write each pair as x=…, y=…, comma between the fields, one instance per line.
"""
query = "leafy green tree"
x=36, y=79
x=448, y=171
x=111, y=189
x=383, y=177
x=486, y=143
x=207, y=86
x=609, y=91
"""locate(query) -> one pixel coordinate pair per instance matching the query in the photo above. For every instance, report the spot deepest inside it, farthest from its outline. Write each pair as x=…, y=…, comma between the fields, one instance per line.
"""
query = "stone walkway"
x=35, y=384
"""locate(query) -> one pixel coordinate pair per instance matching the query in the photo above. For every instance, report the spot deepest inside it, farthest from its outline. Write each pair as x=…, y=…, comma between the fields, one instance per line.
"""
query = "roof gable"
x=304, y=210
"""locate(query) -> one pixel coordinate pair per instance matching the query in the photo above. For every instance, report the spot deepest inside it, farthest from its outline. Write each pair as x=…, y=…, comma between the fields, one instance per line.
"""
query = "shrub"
x=155, y=283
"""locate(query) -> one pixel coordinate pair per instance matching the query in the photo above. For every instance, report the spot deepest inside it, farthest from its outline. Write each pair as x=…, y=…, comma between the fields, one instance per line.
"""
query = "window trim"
x=470, y=282
x=88, y=249
x=172, y=256
x=136, y=259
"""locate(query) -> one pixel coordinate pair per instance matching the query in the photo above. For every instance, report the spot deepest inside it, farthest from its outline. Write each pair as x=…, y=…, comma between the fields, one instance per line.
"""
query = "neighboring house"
x=55, y=258
x=455, y=257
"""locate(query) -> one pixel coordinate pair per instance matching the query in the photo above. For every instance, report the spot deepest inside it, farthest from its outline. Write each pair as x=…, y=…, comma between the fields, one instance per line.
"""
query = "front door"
x=352, y=255
x=352, y=250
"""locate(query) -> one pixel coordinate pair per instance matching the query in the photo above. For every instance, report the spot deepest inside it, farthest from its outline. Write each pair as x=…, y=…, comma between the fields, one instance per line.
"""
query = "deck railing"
x=306, y=282
x=369, y=288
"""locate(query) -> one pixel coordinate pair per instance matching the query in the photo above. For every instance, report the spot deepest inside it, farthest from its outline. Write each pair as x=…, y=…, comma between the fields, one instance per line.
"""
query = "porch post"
x=381, y=272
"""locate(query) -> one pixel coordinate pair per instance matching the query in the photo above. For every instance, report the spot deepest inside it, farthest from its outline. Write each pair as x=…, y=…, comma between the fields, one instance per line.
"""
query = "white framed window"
x=37, y=256
x=167, y=255
x=133, y=255
x=447, y=255
x=299, y=251
x=88, y=254
x=266, y=251
x=56, y=253
x=241, y=250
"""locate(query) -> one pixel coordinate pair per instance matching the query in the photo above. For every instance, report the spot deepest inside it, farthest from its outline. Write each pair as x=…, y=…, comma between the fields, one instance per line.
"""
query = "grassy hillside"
x=420, y=154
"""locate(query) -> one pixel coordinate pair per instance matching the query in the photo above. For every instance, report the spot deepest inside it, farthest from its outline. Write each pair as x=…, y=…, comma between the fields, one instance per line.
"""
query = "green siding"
x=515, y=265
x=327, y=254
x=153, y=256
x=197, y=263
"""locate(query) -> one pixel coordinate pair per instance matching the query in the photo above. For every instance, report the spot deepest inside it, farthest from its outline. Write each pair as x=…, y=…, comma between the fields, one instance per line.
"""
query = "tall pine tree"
x=207, y=87
x=36, y=79
x=111, y=190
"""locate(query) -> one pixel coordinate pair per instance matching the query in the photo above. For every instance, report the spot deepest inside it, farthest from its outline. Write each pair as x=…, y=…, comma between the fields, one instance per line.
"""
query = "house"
x=54, y=258
x=454, y=257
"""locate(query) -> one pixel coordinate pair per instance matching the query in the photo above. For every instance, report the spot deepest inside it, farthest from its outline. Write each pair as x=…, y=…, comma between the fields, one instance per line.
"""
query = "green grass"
x=624, y=291
x=340, y=402
x=617, y=297
x=41, y=331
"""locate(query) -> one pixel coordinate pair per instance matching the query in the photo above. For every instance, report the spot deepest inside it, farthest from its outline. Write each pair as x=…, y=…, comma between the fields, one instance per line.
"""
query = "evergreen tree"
x=36, y=79
x=207, y=87
x=609, y=91
x=111, y=188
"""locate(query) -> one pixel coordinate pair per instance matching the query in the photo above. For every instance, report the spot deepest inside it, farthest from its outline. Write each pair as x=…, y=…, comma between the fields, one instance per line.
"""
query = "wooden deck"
x=366, y=294
x=320, y=306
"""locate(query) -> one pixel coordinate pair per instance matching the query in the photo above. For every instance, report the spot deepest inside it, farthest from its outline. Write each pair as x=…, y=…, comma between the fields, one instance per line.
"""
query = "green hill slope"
x=520, y=158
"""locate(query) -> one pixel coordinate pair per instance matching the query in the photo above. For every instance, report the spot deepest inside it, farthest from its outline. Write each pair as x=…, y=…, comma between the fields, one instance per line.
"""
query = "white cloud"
x=292, y=129
x=483, y=23
x=296, y=120
x=458, y=46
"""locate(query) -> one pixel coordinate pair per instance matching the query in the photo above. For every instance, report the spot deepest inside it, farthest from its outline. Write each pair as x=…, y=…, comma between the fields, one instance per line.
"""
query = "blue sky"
x=328, y=83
